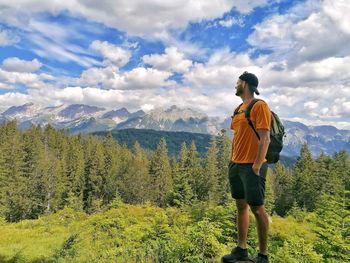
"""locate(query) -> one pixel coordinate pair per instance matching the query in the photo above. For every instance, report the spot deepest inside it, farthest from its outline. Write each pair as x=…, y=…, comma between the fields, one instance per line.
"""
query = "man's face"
x=239, y=88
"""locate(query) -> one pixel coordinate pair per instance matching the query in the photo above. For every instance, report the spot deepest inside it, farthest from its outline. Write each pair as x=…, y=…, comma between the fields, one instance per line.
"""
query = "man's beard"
x=239, y=91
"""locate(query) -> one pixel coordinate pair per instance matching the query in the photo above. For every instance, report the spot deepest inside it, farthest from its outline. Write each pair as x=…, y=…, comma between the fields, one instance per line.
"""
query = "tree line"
x=43, y=170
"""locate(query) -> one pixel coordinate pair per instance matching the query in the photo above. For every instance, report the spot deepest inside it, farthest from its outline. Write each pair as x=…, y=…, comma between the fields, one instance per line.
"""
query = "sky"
x=145, y=54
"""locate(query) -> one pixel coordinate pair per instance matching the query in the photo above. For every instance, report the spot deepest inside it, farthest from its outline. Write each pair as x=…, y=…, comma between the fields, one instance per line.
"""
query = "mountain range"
x=80, y=118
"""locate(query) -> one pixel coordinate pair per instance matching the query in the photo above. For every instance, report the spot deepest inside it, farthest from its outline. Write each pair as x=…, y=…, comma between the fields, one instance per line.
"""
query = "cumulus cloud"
x=221, y=70
x=28, y=79
x=137, y=78
x=132, y=99
x=307, y=88
x=15, y=64
x=12, y=99
x=308, y=32
x=112, y=54
x=172, y=60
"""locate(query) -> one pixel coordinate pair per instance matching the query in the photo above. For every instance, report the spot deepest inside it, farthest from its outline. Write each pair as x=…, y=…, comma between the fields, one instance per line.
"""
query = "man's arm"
x=262, y=149
x=231, y=152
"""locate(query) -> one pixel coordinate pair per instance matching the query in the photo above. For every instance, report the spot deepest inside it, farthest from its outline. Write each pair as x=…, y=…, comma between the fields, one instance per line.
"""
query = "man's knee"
x=242, y=205
x=258, y=210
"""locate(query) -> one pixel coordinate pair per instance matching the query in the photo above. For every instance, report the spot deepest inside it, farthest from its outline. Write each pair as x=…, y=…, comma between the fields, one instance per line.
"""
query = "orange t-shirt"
x=245, y=142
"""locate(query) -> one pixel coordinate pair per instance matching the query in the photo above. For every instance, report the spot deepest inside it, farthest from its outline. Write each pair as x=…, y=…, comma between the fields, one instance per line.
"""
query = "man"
x=248, y=168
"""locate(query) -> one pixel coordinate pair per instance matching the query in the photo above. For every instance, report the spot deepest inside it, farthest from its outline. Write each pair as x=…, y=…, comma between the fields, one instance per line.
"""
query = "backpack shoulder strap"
x=247, y=115
x=250, y=107
x=236, y=110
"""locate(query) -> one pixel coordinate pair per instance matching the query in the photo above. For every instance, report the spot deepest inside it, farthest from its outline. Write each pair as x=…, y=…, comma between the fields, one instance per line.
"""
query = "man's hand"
x=262, y=149
x=256, y=168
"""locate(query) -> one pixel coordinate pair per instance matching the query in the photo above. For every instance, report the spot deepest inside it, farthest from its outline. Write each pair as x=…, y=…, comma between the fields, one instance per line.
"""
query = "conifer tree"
x=332, y=227
x=182, y=193
x=137, y=180
x=34, y=170
x=14, y=194
x=224, y=146
x=160, y=173
x=112, y=165
x=196, y=173
x=212, y=174
x=304, y=179
x=282, y=186
x=75, y=173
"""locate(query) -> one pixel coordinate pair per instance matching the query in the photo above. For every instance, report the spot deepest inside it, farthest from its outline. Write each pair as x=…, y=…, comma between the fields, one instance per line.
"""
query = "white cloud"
x=51, y=30
x=305, y=91
x=248, y=5
x=61, y=51
x=306, y=75
x=8, y=38
x=141, y=78
x=5, y=86
x=151, y=18
x=336, y=10
x=172, y=60
x=229, y=22
x=221, y=71
x=15, y=64
x=12, y=99
x=137, y=78
x=308, y=32
x=310, y=107
x=113, y=54
x=46, y=38
x=30, y=80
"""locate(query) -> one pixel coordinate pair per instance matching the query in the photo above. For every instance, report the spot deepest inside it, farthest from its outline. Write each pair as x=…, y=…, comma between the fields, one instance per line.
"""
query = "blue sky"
x=149, y=54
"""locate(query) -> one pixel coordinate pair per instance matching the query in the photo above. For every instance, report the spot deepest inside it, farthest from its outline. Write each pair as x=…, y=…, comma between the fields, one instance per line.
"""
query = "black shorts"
x=245, y=184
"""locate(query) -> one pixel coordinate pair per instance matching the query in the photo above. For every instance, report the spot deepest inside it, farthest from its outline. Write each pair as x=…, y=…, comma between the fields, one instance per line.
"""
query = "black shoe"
x=261, y=259
x=236, y=254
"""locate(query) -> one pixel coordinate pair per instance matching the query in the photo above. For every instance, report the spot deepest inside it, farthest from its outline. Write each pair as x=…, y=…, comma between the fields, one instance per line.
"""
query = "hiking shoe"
x=236, y=254
x=261, y=259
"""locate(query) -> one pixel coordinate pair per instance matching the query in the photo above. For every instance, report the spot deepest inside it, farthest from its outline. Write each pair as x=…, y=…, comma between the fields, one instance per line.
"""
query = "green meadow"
x=145, y=233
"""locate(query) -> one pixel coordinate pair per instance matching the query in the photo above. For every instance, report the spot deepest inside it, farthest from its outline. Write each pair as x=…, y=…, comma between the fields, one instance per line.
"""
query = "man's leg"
x=242, y=222
x=239, y=252
x=262, y=223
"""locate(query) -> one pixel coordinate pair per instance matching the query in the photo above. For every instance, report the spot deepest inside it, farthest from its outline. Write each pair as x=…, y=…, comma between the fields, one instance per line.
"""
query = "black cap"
x=252, y=80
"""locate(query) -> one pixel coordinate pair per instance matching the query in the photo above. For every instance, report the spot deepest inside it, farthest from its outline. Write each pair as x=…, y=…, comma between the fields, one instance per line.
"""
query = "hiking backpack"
x=276, y=133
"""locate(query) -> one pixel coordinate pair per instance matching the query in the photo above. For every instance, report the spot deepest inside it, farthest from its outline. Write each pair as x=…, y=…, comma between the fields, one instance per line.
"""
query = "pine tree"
x=197, y=178
x=54, y=168
x=34, y=159
x=14, y=196
x=75, y=173
x=182, y=194
x=326, y=182
x=137, y=180
x=113, y=153
x=212, y=174
x=224, y=147
x=332, y=223
x=305, y=183
x=160, y=173
x=94, y=174
x=339, y=173
x=282, y=186
x=270, y=197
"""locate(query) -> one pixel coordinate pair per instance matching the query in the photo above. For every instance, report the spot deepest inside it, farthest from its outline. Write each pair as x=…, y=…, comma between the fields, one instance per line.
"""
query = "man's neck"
x=247, y=98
